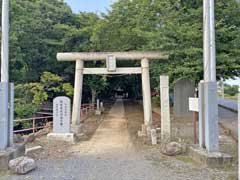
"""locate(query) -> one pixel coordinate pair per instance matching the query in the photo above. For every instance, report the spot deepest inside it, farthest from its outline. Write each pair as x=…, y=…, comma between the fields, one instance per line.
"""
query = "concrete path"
x=110, y=155
x=228, y=115
x=229, y=121
x=229, y=104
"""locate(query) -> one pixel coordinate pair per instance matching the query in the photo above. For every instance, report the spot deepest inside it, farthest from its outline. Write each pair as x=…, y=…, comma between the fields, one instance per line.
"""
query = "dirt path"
x=111, y=154
x=111, y=137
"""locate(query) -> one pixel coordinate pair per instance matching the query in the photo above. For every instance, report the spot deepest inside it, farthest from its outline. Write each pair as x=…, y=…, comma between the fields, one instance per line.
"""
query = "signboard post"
x=194, y=106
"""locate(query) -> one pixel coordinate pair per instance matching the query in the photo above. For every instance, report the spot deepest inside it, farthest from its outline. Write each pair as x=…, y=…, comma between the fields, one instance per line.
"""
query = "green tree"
x=34, y=94
x=174, y=27
x=231, y=90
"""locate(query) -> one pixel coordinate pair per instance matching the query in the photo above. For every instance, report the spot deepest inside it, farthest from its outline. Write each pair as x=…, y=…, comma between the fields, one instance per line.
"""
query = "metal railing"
x=87, y=110
x=37, y=123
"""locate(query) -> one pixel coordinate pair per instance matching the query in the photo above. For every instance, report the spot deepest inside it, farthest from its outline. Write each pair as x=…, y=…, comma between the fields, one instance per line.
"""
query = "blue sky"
x=89, y=5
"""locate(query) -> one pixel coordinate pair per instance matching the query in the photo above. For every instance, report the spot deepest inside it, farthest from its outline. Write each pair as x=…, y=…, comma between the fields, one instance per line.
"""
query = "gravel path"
x=110, y=155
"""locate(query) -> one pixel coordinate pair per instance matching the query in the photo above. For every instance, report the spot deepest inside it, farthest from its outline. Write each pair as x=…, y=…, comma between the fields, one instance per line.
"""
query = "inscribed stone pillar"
x=165, y=109
x=61, y=115
x=77, y=99
x=211, y=117
x=3, y=117
x=147, y=106
x=182, y=91
x=154, y=136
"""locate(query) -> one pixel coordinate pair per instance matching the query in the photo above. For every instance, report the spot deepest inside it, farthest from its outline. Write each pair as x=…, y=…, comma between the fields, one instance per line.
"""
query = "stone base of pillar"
x=10, y=153
x=66, y=137
x=206, y=158
x=79, y=129
x=154, y=136
x=98, y=112
x=145, y=131
x=165, y=139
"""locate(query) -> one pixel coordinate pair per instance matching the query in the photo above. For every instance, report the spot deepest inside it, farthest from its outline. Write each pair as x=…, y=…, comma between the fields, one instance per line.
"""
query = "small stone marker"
x=165, y=109
x=154, y=136
x=61, y=115
x=98, y=104
x=98, y=111
x=101, y=106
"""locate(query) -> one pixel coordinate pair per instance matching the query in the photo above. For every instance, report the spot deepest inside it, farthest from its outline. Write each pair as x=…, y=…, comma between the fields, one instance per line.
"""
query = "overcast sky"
x=89, y=5
x=234, y=82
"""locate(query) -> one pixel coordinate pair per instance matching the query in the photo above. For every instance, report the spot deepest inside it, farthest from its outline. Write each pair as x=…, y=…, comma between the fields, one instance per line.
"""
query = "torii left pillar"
x=147, y=105
x=77, y=99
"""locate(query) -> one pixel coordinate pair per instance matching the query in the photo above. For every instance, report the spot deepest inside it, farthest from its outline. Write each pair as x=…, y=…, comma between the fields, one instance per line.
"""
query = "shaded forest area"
x=41, y=28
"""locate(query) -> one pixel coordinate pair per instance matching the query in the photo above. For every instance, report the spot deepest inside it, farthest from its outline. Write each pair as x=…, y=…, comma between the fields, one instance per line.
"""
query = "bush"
x=30, y=96
x=25, y=110
x=231, y=90
x=156, y=100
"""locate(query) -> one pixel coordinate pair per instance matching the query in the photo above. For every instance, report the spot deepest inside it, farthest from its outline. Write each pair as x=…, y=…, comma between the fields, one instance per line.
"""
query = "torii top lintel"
x=92, y=56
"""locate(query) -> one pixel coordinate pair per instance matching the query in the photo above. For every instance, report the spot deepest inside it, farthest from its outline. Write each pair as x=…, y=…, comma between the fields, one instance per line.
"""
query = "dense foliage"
x=231, y=90
x=174, y=27
x=41, y=28
x=30, y=96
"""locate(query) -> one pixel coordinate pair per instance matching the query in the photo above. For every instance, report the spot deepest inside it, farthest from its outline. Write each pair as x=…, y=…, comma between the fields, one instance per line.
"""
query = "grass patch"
x=232, y=177
x=3, y=173
x=185, y=159
x=224, y=168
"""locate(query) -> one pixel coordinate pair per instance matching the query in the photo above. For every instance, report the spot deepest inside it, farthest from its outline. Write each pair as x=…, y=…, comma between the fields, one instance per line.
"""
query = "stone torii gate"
x=111, y=68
